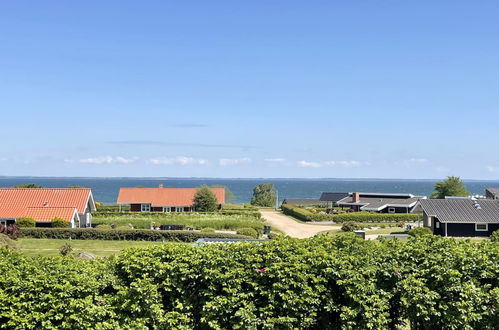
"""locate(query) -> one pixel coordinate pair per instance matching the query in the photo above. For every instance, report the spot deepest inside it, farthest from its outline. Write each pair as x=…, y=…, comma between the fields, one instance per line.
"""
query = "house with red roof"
x=163, y=199
x=75, y=205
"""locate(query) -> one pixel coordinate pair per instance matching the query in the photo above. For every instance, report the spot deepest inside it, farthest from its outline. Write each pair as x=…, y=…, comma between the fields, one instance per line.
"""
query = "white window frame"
x=437, y=224
x=166, y=209
x=145, y=207
x=486, y=227
x=179, y=209
x=391, y=210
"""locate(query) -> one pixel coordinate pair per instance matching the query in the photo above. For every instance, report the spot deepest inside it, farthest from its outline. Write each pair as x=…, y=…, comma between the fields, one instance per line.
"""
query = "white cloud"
x=331, y=163
x=275, y=160
x=103, y=160
x=233, y=161
x=180, y=160
x=416, y=161
x=493, y=169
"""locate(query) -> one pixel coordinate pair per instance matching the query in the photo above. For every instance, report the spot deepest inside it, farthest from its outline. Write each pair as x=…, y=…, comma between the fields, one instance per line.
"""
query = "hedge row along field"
x=305, y=215
x=214, y=220
x=122, y=235
x=321, y=283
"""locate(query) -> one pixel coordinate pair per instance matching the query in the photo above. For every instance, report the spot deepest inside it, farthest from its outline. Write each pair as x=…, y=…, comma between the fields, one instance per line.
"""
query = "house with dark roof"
x=492, y=193
x=331, y=198
x=163, y=199
x=380, y=202
x=462, y=217
x=75, y=205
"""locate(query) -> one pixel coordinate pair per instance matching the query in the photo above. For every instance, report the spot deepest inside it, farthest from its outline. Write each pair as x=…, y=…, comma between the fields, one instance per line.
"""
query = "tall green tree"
x=451, y=186
x=27, y=185
x=205, y=200
x=264, y=195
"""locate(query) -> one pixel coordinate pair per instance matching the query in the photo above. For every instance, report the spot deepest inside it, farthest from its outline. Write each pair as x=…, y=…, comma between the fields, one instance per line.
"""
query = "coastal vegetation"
x=451, y=186
x=264, y=195
x=339, y=282
x=205, y=200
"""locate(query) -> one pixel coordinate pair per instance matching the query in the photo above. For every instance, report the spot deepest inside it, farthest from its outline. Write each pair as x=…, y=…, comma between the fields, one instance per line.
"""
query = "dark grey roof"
x=493, y=191
x=302, y=201
x=462, y=210
x=377, y=202
x=332, y=196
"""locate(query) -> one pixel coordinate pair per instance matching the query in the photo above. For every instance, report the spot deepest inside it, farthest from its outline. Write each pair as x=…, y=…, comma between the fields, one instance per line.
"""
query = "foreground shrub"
x=495, y=236
x=248, y=232
x=344, y=282
x=116, y=235
x=59, y=223
x=420, y=231
x=26, y=222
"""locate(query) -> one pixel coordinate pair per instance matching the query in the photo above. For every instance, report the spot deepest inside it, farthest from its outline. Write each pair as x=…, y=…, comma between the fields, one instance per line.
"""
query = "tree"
x=229, y=195
x=26, y=222
x=59, y=223
x=205, y=200
x=264, y=195
x=451, y=186
x=27, y=185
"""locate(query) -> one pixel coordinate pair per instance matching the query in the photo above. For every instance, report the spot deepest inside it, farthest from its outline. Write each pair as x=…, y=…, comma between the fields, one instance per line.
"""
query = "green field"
x=50, y=247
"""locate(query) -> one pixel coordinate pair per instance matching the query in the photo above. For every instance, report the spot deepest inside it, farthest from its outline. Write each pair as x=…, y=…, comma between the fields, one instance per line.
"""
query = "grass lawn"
x=50, y=247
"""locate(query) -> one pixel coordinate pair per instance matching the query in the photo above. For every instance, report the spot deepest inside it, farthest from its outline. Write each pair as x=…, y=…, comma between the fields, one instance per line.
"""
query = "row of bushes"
x=321, y=283
x=117, y=234
x=246, y=213
x=306, y=215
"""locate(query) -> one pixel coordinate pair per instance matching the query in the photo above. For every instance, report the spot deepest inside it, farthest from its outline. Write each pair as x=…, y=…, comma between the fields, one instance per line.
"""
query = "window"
x=481, y=226
x=391, y=210
x=437, y=224
x=180, y=209
x=145, y=207
x=166, y=209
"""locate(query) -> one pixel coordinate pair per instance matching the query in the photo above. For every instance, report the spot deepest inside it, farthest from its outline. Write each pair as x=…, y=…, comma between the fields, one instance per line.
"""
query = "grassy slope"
x=50, y=247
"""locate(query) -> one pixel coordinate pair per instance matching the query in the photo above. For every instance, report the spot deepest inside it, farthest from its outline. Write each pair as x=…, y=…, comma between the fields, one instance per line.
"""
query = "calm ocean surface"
x=106, y=189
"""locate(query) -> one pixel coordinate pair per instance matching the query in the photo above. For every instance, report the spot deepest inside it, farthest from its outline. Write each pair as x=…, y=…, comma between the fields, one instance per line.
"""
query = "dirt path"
x=292, y=227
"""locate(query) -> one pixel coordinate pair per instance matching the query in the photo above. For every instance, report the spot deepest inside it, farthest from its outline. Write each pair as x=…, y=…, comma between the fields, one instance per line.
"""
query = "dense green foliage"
x=26, y=222
x=321, y=283
x=495, y=236
x=350, y=226
x=59, y=223
x=27, y=185
x=6, y=241
x=420, y=231
x=205, y=200
x=264, y=195
x=227, y=220
x=306, y=215
x=121, y=234
x=451, y=186
x=248, y=232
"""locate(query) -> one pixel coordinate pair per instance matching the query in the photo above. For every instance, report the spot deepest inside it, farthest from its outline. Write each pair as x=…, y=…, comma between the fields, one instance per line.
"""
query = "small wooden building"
x=461, y=217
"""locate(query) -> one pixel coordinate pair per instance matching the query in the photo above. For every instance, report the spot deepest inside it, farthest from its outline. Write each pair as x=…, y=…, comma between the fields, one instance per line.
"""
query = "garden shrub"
x=248, y=232
x=350, y=226
x=26, y=222
x=495, y=236
x=306, y=215
x=420, y=231
x=66, y=249
x=12, y=231
x=59, y=223
x=6, y=241
x=341, y=282
x=128, y=235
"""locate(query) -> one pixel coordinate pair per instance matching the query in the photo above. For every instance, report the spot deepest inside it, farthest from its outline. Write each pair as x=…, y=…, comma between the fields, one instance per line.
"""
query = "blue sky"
x=380, y=89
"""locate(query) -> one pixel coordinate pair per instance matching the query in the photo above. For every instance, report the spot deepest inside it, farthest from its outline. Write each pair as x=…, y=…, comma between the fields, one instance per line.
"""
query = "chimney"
x=160, y=185
x=355, y=197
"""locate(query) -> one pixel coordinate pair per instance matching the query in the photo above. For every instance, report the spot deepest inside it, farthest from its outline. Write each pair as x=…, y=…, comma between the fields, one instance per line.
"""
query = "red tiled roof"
x=164, y=196
x=43, y=204
x=22, y=198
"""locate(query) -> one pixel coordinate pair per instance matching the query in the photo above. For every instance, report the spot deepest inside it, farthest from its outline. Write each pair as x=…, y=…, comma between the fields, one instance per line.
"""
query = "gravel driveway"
x=292, y=227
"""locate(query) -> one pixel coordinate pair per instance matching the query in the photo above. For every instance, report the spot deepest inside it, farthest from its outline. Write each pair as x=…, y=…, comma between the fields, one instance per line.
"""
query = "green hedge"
x=305, y=215
x=322, y=283
x=242, y=212
x=126, y=234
